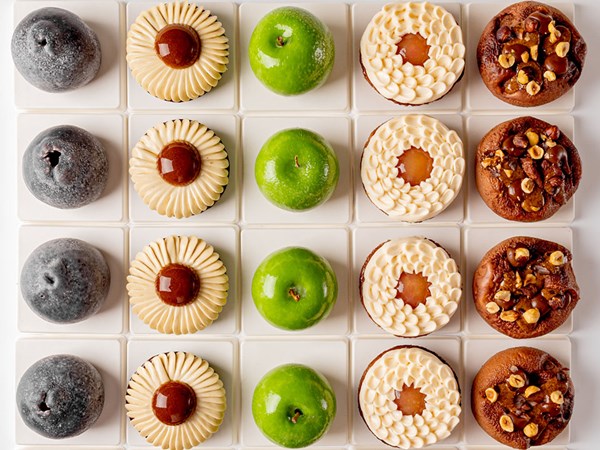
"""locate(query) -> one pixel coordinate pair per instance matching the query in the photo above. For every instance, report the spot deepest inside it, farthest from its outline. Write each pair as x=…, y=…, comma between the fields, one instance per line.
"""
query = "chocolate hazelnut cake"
x=526, y=169
x=409, y=397
x=177, y=51
x=175, y=401
x=530, y=54
x=178, y=285
x=410, y=286
x=179, y=168
x=525, y=287
x=412, y=53
x=522, y=397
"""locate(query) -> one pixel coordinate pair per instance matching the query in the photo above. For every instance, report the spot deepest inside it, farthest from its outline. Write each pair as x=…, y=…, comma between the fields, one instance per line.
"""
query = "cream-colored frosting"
x=408, y=366
x=189, y=318
x=392, y=194
x=167, y=83
x=179, y=201
x=402, y=81
x=197, y=374
x=380, y=279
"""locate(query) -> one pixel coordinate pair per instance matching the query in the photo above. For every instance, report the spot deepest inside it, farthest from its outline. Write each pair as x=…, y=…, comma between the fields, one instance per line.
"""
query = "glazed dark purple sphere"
x=55, y=50
x=65, y=167
x=60, y=396
x=65, y=280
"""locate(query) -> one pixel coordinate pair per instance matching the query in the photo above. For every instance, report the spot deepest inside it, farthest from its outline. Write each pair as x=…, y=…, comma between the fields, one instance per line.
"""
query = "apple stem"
x=280, y=42
x=295, y=296
x=296, y=161
x=296, y=416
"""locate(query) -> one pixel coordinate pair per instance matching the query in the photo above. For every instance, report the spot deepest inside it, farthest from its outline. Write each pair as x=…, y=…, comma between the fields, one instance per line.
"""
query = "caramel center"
x=177, y=285
x=413, y=48
x=410, y=401
x=173, y=402
x=179, y=163
x=414, y=166
x=413, y=289
x=178, y=46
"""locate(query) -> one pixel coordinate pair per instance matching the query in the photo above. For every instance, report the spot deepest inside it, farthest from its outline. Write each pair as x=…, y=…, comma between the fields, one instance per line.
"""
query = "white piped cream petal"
x=162, y=81
x=197, y=374
x=179, y=201
x=194, y=316
x=401, y=81
x=379, y=174
x=380, y=277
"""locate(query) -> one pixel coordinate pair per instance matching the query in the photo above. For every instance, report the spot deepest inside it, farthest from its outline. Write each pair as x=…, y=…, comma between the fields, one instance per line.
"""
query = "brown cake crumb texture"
x=525, y=287
x=522, y=397
x=530, y=54
x=526, y=169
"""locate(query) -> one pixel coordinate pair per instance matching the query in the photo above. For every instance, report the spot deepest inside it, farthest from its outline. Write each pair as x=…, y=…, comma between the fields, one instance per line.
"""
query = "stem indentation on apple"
x=296, y=416
x=294, y=294
x=296, y=162
x=280, y=41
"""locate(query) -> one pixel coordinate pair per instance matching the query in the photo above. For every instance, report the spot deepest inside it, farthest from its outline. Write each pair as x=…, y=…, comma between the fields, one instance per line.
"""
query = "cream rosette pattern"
x=411, y=264
x=380, y=397
x=382, y=167
x=179, y=168
x=178, y=285
x=435, y=48
x=177, y=51
x=175, y=401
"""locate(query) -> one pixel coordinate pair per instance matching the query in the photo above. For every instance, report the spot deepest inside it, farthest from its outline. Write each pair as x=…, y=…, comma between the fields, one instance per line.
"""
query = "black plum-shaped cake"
x=55, y=51
x=65, y=167
x=60, y=396
x=65, y=280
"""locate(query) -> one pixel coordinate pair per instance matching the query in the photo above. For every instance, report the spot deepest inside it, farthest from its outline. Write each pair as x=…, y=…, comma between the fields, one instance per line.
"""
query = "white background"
x=585, y=432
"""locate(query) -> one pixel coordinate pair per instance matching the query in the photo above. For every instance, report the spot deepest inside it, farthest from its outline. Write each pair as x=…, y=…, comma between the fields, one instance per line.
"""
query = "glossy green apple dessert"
x=293, y=405
x=294, y=288
x=291, y=51
x=296, y=169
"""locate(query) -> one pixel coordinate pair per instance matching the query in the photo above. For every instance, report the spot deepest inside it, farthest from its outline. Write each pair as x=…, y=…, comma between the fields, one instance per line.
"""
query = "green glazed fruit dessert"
x=294, y=288
x=291, y=51
x=296, y=169
x=293, y=405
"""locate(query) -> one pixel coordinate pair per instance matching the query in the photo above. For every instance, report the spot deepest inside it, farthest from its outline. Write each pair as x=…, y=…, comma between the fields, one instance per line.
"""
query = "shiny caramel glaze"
x=410, y=400
x=179, y=163
x=413, y=48
x=173, y=403
x=178, y=46
x=414, y=166
x=177, y=284
x=413, y=289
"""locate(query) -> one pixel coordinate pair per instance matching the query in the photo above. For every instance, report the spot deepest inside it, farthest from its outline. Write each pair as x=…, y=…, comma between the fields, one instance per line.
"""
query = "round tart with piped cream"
x=410, y=286
x=177, y=51
x=525, y=287
x=412, y=167
x=412, y=53
x=178, y=285
x=522, y=397
x=179, y=168
x=175, y=401
x=409, y=397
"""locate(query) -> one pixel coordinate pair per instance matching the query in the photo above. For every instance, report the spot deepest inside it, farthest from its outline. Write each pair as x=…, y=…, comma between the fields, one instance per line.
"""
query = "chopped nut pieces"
x=522, y=254
x=532, y=88
x=531, y=390
x=549, y=75
x=562, y=48
x=491, y=395
x=522, y=77
x=527, y=185
x=499, y=153
x=532, y=315
x=557, y=258
x=508, y=172
x=525, y=57
x=533, y=137
x=530, y=279
x=536, y=152
x=516, y=381
x=506, y=60
x=534, y=52
x=509, y=316
x=557, y=397
x=492, y=307
x=530, y=430
x=502, y=296
x=506, y=423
